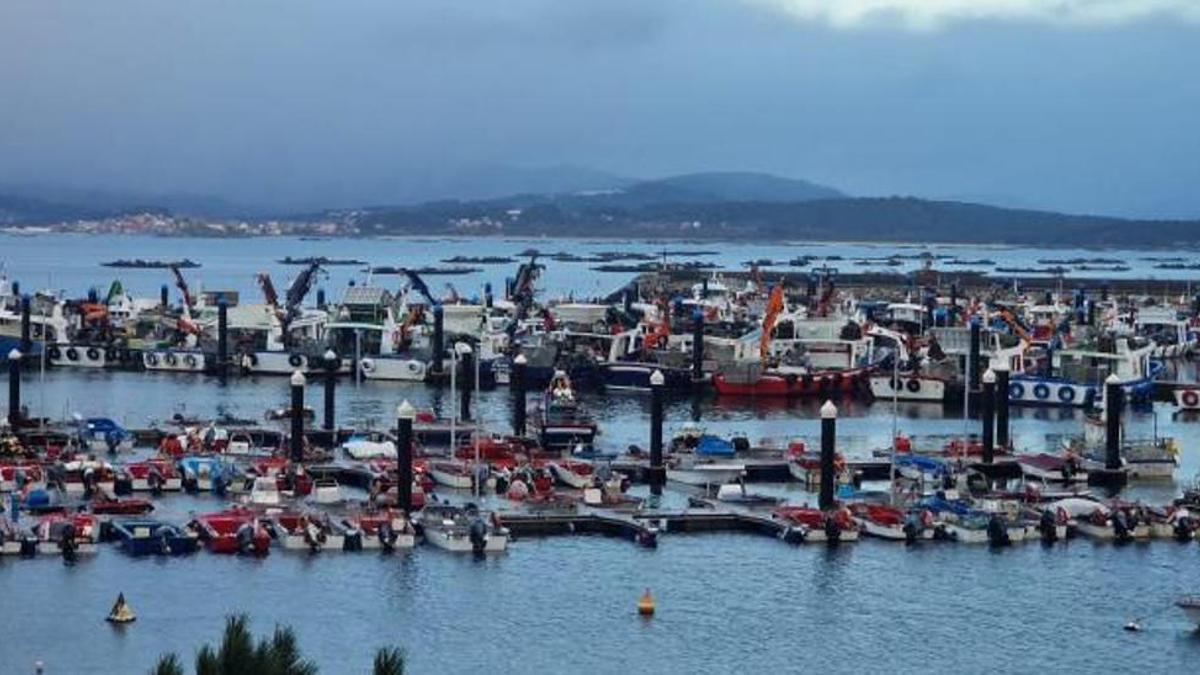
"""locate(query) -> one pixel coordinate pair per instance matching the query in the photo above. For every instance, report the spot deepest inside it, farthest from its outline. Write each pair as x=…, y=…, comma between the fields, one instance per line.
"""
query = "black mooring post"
x=973, y=364
x=439, y=337
x=517, y=387
x=697, y=346
x=222, y=337
x=14, y=390
x=297, y=417
x=466, y=382
x=987, y=414
x=331, y=366
x=657, y=474
x=164, y=296
x=1002, y=439
x=487, y=295
x=26, y=328
x=404, y=455
x=1114, y=397
x=828, y=452
x=321, y=298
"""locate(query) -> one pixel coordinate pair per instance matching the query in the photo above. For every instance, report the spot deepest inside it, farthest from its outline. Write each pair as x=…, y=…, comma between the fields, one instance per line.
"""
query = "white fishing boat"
x=455, y=475
x=382, y=530
x=265, y=492
x=326, y=491
x=573, y=473
x=460, y=530
x=369, y=446
x=908, y=387
x=703, y=474
x=1050, y=468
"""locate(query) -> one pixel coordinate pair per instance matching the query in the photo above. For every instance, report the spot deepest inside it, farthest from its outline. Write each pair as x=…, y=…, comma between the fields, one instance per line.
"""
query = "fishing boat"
x=1050, y=468
x=702, y=472
x=892, y=523
x=561, y=422
x=816, y=525
x=1077, y=375
x=140, y=537
x=462, y=530
x=1105, y=524
x=77, y=476
x=312, y=531
x=106, y=504
x=102, y=433
x=387, y=529
x=205, y=473
x=59, y=533
x=235, y=530
x=1173, y=337
x=1190, y=605
x=153, y=475
x=736, y=493
x=573, y=473
x=452, y=474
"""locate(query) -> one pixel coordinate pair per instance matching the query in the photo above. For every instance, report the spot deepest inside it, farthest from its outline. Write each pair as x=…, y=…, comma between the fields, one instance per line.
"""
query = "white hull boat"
x=908, y=388
x=702, y=475
x=178, y=361
x=397, y=369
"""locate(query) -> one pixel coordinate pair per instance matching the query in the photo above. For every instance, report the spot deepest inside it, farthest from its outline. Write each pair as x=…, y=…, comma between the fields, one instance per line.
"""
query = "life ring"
x=93, y=354
x=367, y=365
x=1041, y=392
x=1066, y=393
x=111, y=355
x=170, y=359
x=189, y=361
x=72, y=354
x=1016, y=390
x=914, y=385
x=413, y=367
x=1190, y=398
x=151, y=359
x=55, y=353
x=295, y=360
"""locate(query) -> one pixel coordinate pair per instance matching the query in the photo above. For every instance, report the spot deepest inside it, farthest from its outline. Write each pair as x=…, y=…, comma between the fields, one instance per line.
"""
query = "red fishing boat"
x=817, y=525
x=152, y=475
x=108, y=505
x=793, y=384
x=384, y=529
x=60, y=532
x=15, y=476
x=233, y=531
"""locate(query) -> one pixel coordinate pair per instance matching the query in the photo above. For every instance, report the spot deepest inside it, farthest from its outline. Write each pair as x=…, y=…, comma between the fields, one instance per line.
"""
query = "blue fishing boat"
x=153, y=537
x=206, y=474
x=102, y=433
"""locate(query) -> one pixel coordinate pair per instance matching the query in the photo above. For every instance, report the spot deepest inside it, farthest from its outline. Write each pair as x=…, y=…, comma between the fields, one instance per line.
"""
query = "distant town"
x=180, y=226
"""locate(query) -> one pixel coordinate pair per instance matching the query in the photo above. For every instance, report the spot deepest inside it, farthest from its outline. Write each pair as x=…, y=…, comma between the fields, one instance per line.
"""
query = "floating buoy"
x=646, y=604
x=121, y=613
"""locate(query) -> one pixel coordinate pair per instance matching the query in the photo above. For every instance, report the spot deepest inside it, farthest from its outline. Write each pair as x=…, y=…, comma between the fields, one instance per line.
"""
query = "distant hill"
x=846, y=219
x=23, y=210
x=730, y=187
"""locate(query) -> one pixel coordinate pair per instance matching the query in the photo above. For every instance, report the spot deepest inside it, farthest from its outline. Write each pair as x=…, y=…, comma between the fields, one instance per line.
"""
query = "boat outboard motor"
x=313, y=537
x=245, y=539
x=387, y=536
x=833, y=531
x=89, y=482
x=997, y=532
x=501, y=484
x=113, y=440
x=164, y=541
x=155, y=480
x=66, y=543
x=911, y=529
x=1048, y=526
x=1185, y=529
x=478, y=535
x=218, y=485
x=1120, y=525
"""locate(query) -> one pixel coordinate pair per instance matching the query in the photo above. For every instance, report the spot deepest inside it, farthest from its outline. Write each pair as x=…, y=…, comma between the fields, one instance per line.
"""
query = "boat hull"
x=394, y=369
x=704, y=475
x=920, y=389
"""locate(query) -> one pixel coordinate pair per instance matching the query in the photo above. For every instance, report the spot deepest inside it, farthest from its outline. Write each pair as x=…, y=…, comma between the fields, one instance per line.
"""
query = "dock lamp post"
x=829, y=414
x=297, y=441
x=405, y=414
x=331, y=366
x=517, y=386
x=14, y=389
x=658, y=473
x=987, y=413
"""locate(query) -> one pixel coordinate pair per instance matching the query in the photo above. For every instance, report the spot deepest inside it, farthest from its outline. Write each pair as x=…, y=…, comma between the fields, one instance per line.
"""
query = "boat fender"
x=1016, y=391
x=151, y=360
x=171, y=359
x=910, y=530
x=1190, y=398
x=93, y=354
x=1066, y=394
x=413, y=367
x=295, y=360
x=997, y=532
x=55, y=353
x=72, y=354
x=1184, y=529
x=914, y=385
x=189, y=361
x=1041, y=392
x=110, y=355
x=367, y=365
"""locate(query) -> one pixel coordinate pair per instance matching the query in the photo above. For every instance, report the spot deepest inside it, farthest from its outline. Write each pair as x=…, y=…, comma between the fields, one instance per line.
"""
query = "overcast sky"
x=1080, y=105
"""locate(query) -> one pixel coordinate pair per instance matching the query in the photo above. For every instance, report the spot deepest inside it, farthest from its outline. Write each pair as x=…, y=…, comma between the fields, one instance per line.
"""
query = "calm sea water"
x=726, y=602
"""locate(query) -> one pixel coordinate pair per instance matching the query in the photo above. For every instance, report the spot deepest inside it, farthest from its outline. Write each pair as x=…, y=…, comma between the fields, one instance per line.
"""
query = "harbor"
x=606, y=476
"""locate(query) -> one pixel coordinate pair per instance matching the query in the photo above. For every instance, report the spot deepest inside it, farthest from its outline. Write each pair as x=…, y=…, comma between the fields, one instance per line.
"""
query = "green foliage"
x=168, y=664
x=389, y=661
x=239, y=654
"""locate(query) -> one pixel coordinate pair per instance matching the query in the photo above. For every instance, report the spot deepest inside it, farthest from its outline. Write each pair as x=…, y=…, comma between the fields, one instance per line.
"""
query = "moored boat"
x=139, y=537
x=235, y=530
x=462, y=530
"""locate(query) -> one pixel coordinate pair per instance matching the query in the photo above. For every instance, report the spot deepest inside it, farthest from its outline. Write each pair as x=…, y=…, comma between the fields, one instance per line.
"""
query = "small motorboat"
x=309, y=531
x=153, y=475
x=1050, y=468
x=561, y=421
x=702, y=473
x=106, y=504
x=235, y=530
x=12, y=538
x=264, y=491
x=892, y=523
x=78, y=476
x=326, y=491
x=1190, y=604
x=202, y=473
x=735, y=493
x=1104, y=524
x=102, y=433
x=450, y=474
x=462, y=530
x=140, y=537
x=67, y=534
x=16, y=476
x=815, y=525
x=573, y=473
x=369, y=446
x=386, y=529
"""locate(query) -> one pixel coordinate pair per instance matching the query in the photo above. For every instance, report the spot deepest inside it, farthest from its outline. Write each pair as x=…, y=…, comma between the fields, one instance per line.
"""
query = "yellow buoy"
x=121, y=613
x=646, y=604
